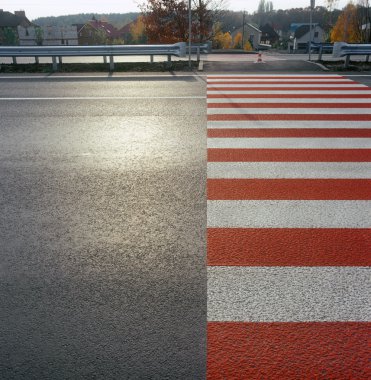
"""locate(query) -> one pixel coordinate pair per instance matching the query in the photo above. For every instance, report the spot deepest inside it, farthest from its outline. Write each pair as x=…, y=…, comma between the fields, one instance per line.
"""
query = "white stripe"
x=349, y=170
x=288, y=100
x=288, y=294
x=103, y=98
x=261, y=124
x=216, y=76
x=301, y=111
x=285, y=79
x=227, y=86
x=282, y=92
x=289, y=214
x=289, y=143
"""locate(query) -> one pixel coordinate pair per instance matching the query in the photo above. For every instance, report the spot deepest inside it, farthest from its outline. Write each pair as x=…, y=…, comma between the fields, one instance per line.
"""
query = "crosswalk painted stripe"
x=289, y=92
x=276, y=82
x=313, y=96
x=288, y=132
x=288, y=88
x=284, y=116
x=305, y=110
x=288, y=247
x=289, y=170
x=288, y=227
x=286, y=189
x=245, y=105
x=288, y=143
x=291, y=350
x=289, y=155
x=285, y=294
x=295, y=101
x=288, y=214
x=286, y=124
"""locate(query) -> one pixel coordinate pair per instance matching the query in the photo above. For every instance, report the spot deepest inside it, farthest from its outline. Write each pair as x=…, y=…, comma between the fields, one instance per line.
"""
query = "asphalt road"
x=102, y=258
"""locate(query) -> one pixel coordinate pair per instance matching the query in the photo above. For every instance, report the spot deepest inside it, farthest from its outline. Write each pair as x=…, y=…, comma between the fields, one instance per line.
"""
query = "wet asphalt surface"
x=102, y=258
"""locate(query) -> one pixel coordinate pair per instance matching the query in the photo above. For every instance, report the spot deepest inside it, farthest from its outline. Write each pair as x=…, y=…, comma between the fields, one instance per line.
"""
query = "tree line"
x=166, y=21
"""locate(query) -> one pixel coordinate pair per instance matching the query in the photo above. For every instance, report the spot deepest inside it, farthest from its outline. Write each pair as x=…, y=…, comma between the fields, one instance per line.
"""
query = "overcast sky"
x=41, y=8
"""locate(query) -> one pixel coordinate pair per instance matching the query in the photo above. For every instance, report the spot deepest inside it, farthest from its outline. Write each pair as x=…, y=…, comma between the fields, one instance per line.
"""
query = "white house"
x=49, y=35
x=301, y=36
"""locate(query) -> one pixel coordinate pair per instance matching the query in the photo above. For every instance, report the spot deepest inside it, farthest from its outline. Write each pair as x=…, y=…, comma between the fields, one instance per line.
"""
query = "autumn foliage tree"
x=137, y=31
x=166, y=21
x=347, y=27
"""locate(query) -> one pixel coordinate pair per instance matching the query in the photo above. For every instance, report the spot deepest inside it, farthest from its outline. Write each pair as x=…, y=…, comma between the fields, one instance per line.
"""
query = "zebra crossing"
x=289, y=227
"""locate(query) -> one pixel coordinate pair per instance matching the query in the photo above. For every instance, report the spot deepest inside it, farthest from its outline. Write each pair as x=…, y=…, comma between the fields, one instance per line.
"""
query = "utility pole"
x=312, y=5
x=189, y=33
x=243, y=30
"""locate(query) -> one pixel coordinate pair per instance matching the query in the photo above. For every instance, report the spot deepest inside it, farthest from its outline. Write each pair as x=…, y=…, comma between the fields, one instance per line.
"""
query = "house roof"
x=8, y=19
x=253, y=27
x=303, y=30
x=126, y=28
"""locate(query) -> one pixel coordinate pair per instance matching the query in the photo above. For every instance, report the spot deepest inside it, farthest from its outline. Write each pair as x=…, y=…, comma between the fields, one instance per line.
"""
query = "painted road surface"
x=288, y=215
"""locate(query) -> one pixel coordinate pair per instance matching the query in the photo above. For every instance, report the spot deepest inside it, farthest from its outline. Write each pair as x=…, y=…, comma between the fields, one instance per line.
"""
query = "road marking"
x=288, y=189
x=288, y=132
x=102, y=98
x=288, y=143
x=288, y=227
x=289, y=247
x=289, y=170
x=289, y=155
x=286, y=294
x=286, y=124
x=291, y=350
x=288, y=214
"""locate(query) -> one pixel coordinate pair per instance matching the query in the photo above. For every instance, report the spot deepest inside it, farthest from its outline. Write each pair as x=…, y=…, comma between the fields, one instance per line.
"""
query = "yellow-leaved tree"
x=237, y=41
x=347, y=27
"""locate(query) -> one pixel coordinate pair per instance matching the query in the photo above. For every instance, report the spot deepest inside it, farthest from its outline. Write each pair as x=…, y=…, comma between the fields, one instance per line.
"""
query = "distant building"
x=48, y=35
x=9, y=24
x=96, y=32
x=253, y=35
x=301, y=36
x=269, y=35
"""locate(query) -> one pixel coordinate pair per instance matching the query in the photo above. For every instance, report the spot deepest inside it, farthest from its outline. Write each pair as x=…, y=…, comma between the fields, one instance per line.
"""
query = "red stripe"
x=275, y=77
x=289, y=189
x=348, y=88
x=288, y=247
x=298, y=117
x=289, y=96
x=290, y=351
x=289, y=132
x=289, y=155
x=249, y=82
x=289, y=105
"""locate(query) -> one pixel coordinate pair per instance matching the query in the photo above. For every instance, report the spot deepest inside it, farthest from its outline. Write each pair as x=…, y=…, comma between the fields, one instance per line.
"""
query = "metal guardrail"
x=321, y=48
x=178, y=49
x=200, y=48
x=342, y=49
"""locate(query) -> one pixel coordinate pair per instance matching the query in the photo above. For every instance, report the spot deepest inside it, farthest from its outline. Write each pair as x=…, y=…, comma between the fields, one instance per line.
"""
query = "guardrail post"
x=104, y=59
x=320, y=53
x=60, y=60
x=151, y=58
x=168, y=58
x=367, y=57
x=37, y=60
x=347, y=60
x=55, y=64
x=111, y=63
x=198, y=53
x=14, y=60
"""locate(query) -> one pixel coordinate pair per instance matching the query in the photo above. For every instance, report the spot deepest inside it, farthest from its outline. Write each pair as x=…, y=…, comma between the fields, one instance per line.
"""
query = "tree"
x=237, y=41
x=137, y=31
x=167, y=20
x=347, y=27
x=364, y=16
